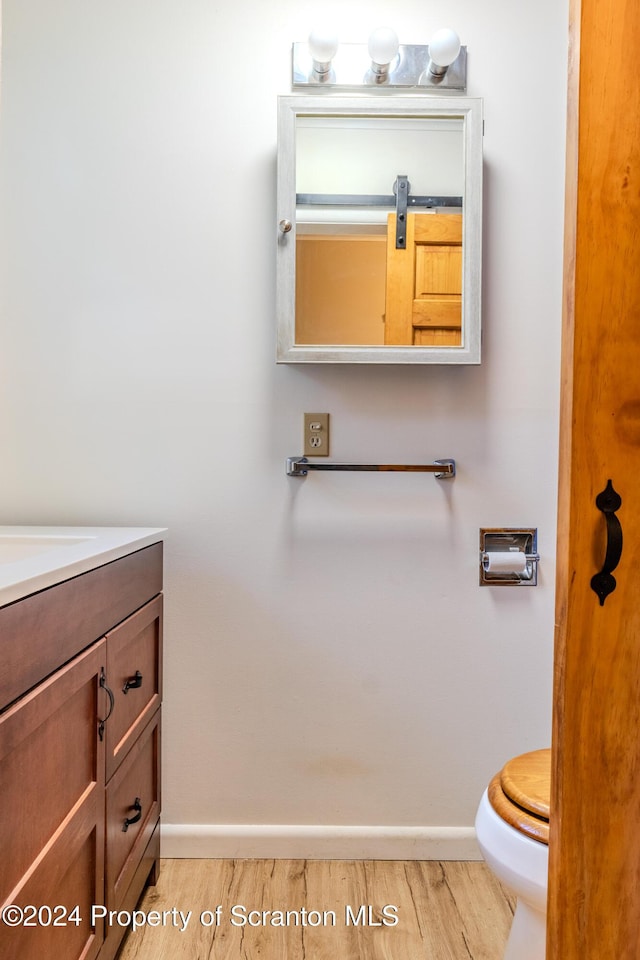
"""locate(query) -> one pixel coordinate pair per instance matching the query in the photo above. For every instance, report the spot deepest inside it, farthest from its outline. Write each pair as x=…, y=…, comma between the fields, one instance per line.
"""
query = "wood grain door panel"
x=424, y=281
x=594, y=869
x=52, y=809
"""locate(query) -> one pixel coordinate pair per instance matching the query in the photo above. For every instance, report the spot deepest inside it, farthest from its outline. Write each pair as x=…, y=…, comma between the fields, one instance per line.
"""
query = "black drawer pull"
x=103, y=684
x=133, y=683
x=137, y=806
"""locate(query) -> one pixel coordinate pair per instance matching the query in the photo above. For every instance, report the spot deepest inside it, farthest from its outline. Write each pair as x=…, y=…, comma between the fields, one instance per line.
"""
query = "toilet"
x=512, y=828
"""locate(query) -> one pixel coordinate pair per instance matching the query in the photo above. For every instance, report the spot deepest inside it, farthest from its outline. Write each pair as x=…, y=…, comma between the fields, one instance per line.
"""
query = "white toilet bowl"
x=517, y=851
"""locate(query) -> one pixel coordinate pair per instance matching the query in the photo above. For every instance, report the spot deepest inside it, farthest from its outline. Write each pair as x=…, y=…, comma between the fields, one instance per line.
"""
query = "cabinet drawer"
x=134, y=674
x=133, y=809
x=52, y=765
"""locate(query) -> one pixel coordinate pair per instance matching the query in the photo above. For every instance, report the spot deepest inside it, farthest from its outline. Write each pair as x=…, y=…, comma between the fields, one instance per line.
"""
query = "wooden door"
x=594, y=878
x=424, y=281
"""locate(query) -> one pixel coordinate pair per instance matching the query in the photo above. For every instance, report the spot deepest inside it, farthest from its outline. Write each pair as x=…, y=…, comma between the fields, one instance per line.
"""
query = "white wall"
x=329, y=656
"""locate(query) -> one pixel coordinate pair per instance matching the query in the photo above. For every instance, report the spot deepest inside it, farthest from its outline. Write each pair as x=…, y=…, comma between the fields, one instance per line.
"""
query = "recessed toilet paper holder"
x=509, y=556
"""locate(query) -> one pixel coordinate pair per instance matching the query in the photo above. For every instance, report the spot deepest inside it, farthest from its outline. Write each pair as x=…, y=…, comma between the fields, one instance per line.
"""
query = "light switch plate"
x=316, y=435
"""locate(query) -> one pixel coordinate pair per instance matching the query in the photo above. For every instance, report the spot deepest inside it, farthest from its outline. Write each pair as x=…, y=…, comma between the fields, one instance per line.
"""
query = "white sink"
x=22, y=547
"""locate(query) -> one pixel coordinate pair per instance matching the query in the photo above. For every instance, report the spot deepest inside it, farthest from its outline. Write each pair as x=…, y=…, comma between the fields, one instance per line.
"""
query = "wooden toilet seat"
x=520, y=793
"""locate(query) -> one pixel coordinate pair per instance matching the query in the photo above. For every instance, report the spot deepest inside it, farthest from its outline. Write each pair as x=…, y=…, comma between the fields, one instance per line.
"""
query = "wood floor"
x=321, y=910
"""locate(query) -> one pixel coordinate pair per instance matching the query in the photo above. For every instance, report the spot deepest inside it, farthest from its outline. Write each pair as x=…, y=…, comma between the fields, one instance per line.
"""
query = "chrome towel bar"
x=441, y=469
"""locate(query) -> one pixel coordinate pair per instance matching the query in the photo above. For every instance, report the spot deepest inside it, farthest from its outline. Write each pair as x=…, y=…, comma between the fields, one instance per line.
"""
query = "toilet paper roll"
x=506, y=561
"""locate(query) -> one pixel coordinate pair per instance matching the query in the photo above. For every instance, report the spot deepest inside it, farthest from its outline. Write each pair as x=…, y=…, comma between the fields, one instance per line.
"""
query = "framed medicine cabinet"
x=379, y=216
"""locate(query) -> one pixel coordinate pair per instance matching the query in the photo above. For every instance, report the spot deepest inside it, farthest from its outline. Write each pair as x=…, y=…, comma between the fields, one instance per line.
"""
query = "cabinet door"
x=52, y=813
x=134, y=674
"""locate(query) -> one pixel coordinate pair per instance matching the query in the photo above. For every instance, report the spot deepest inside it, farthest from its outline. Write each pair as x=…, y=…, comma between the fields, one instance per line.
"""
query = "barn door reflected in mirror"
x=423, y=303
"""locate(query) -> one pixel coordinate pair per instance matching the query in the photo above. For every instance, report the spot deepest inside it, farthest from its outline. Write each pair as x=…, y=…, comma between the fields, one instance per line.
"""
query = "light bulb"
x=383, y=45
x=323, y=44
x=444, y=47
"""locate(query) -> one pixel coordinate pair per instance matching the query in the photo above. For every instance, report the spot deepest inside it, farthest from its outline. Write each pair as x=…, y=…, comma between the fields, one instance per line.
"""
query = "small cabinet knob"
x=285, y=226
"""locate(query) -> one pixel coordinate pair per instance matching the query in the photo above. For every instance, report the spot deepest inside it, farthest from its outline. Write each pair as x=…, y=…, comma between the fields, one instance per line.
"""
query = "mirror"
x=379, y=229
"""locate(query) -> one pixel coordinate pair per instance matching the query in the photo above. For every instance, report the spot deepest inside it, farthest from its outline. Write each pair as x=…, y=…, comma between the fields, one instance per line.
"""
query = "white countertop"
x=33, y=558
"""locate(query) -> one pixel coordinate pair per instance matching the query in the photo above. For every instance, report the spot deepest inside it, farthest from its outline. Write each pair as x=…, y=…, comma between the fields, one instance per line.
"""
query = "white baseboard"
x=265, y=841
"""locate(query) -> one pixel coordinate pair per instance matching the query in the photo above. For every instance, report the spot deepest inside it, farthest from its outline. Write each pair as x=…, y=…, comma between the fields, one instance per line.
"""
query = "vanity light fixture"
x=382, y=62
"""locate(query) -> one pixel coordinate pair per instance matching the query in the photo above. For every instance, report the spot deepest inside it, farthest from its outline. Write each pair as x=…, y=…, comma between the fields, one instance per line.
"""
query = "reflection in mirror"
x=353, y=284
x=383, y=264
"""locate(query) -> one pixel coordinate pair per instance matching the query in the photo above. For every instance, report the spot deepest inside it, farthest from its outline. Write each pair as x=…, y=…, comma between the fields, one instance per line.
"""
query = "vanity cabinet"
x=80, y=757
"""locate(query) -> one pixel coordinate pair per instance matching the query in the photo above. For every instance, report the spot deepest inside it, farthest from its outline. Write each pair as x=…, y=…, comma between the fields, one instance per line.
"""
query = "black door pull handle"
x=109, y=693
x=604, y=583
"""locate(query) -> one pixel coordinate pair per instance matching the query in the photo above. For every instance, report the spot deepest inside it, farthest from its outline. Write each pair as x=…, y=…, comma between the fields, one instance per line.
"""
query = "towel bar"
x=441, y=469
